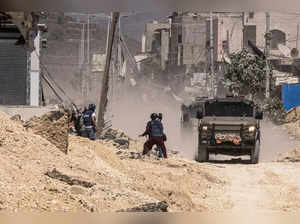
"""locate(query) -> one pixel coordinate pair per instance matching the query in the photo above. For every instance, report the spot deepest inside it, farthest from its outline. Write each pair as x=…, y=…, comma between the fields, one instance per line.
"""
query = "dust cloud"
x=132, y=107
x=274, y=141
x=131, y=111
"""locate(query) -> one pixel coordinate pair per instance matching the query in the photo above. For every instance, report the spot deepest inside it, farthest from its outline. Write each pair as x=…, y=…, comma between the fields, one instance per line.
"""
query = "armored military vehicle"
x=228, y=126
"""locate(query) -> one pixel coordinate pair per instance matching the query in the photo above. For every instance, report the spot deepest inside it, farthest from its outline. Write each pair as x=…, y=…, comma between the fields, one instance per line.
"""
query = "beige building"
x=183, y=40
x=283, y=28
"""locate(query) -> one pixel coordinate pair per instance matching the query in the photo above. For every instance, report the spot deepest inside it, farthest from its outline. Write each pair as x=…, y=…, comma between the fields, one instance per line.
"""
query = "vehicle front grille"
x=227, y=128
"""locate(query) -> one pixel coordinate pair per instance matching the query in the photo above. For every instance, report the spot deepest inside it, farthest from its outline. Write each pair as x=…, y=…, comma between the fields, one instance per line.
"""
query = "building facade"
x=20, y=73
x=284, y=28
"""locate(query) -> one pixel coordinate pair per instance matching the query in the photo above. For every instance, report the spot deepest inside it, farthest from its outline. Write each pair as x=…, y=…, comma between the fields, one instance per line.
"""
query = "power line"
x=55, y=83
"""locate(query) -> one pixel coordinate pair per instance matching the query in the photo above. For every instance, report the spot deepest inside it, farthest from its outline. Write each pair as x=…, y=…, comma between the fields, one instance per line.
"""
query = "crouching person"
x=155, y=131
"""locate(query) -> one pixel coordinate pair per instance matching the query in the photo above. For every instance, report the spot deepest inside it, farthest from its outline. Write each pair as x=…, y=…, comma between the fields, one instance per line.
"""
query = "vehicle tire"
x=203, y=155
x=255, y=153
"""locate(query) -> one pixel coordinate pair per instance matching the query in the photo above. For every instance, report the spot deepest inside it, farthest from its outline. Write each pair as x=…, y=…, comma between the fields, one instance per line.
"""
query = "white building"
x=20, y=73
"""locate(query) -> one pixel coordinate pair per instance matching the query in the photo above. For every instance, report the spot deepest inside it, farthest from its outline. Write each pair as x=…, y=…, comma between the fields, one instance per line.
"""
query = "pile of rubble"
x=151, y=207
x=37, y=176
x=52, y=126
x=92, y=177
x=293, y=115
x=116, y=138
x=292, y=125
x=293, y=156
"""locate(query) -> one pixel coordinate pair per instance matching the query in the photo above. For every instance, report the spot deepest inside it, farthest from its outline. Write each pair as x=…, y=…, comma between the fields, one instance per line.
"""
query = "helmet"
x=92, y=107
x=160, y=116
x=153, y=116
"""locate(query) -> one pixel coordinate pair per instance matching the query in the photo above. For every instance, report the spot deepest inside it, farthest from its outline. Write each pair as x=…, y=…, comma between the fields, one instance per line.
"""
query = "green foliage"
x=274, y=108
x=246, y=74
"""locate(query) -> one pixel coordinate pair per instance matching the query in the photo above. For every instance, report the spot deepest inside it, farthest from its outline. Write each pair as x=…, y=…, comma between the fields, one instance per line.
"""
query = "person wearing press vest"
x=89, y=122
x=155, y=131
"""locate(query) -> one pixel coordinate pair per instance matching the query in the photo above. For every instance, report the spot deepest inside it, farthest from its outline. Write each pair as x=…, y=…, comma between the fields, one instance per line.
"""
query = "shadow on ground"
x=230, y=161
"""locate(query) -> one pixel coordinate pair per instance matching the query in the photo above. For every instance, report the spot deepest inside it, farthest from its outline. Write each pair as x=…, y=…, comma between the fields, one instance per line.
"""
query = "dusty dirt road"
x=122, y=179
x=218, y=186
x=263, y=188
x=232, y=185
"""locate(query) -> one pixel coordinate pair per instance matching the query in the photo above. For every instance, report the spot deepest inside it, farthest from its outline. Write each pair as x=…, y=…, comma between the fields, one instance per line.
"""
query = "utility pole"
x=81, y=50
x=243, y=25
x=88, y=56
x=88, y=41
x=267, y=49
x=120, y=48
x=212, y=56
x=120, y=59
x=297, y=41
x=228, y=40
x=105, y=80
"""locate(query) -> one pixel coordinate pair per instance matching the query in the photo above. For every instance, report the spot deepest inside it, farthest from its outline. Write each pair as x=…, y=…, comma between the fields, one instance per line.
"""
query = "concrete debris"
x=293, y=115
x=114, y=134
x=150, y=207
x=293, y=156
x=122, y=142
x=116, y=138
x=16, y=117
x=53, y=126
x=293, y=128
x=55, y=174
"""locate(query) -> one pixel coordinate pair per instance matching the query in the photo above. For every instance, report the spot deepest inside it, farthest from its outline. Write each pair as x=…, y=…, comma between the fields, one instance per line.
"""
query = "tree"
x=246, y=74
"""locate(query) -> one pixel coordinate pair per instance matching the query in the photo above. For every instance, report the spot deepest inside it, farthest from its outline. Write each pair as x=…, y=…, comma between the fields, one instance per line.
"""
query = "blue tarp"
x=290, y=95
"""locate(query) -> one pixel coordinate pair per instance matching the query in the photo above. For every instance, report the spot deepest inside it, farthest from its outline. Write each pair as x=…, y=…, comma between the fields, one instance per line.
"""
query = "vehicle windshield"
x=228, y=109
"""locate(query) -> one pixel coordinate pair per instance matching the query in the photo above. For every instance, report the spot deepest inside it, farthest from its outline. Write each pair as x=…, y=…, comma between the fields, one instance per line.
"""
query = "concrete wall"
x=194, y=39
x=165, y=42
x=234, y=26
x=286, y=22
x=35, y=73
x=150, y=30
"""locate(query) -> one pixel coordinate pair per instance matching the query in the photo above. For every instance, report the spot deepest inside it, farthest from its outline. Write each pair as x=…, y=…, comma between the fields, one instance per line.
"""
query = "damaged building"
x=179, y=46
x=20, y=73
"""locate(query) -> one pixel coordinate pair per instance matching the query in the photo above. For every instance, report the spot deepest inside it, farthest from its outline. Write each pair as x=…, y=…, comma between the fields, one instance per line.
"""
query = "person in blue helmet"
x=89, y=122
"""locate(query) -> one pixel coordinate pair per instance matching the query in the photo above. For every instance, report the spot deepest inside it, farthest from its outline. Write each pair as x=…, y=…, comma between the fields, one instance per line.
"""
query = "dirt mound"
x=293, y=115
x=293, y=156
x=23, y=160
x=293, y=128
x=52, y=126
x=37, y=176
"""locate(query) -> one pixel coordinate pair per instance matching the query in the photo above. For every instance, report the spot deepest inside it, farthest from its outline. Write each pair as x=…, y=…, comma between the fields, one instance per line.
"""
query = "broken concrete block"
x=122, y=141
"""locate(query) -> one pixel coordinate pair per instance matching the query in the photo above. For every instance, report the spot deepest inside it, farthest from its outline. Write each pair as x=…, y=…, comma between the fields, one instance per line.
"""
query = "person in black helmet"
x=89, y=122
x=155, y=131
